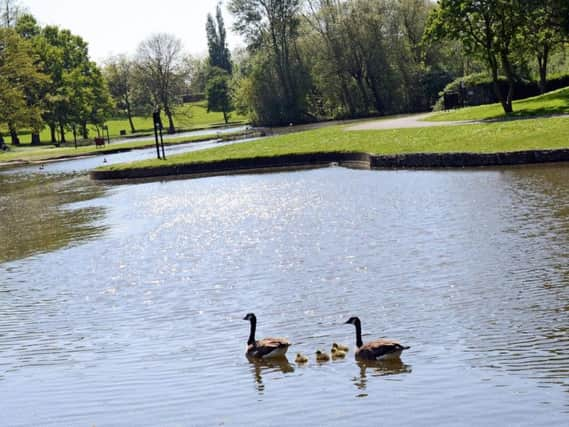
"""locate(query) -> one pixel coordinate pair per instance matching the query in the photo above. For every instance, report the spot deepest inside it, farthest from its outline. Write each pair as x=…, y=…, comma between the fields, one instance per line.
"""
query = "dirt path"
x=414, y=121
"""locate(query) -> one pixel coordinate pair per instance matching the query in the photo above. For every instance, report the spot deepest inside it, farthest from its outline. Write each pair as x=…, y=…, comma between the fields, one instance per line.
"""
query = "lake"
x=123, y=305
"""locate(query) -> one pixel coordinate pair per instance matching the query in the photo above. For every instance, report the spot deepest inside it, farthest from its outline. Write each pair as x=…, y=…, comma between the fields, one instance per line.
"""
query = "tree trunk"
x=171, y=127
x=84, y=130
x=508, y=108
x=62, y=132
x=14, y=135
x=542, y=60
x=346, y=95
x=360, y=82
x=36, y=138
x=376, y=95
x=129, y=114
x=52, y=132
x=225, y=116
x=496, y=84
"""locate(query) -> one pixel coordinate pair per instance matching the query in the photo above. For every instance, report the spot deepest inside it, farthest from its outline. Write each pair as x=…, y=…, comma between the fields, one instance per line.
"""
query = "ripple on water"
x=144, y=317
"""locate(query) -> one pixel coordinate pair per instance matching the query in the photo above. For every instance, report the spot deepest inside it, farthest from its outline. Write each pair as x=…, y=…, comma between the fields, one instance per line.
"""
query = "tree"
x=271, y=29
x=218, y=93
x=541, y=35
x=488, y=28
x=10, y=11
x=219, y=55
x=160, y=68
x=89, y=98
x=19, y=74
x=118, y=72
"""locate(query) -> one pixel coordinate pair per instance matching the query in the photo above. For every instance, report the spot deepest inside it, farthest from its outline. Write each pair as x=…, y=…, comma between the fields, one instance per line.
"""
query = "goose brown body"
x=267, y=347
x=381, y=349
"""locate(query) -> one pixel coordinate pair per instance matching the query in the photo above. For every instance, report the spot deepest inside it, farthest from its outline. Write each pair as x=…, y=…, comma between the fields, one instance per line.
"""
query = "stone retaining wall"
x=352, y=160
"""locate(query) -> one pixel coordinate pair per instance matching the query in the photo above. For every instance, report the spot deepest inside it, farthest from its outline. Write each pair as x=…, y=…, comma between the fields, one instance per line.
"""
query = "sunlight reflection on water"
x=141, y=322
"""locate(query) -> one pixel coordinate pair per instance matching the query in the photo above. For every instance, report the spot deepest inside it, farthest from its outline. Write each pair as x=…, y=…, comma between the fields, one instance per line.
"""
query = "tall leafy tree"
x=160, y=65
x=218, y=93
x=541, y=34
x=119, y=73
x=271, y=28
x=19, y=74
x=219, y=54
x=488, y=28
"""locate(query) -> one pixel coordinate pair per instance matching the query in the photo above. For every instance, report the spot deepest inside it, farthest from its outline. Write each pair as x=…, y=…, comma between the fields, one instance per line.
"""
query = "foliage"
x=278, y=82
x=20, y=75
x=119, y=74
x=160, y=70
x=219, y=55
x=218, y=93
x=486, y=28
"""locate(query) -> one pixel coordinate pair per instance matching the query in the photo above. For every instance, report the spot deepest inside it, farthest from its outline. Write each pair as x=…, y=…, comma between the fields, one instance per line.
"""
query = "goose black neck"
x=358, y=326
x=252, y=333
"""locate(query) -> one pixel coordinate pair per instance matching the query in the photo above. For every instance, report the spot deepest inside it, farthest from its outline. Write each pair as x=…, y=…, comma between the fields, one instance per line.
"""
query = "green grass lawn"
x=556, y=102
x=540, y=133
x=188, y=117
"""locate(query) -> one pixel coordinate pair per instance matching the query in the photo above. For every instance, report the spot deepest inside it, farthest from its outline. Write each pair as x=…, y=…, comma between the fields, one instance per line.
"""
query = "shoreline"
x=119, y=149
x=355, y=160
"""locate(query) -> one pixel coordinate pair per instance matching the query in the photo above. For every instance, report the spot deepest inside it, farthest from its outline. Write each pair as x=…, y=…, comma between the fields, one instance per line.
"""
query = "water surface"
x=134, y=317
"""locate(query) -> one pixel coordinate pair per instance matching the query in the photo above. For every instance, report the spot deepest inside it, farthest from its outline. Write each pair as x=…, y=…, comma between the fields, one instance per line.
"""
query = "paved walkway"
x=414, y=121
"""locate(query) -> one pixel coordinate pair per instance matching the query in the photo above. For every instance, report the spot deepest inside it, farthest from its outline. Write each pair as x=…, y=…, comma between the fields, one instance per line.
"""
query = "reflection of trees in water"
x=261, y=367
x=34, y=217
x=378, y=369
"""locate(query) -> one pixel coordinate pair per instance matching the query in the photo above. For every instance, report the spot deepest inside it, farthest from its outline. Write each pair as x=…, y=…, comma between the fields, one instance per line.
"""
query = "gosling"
x=338, y=354
x=301, y=359
x=341, y=347
x=322, y=356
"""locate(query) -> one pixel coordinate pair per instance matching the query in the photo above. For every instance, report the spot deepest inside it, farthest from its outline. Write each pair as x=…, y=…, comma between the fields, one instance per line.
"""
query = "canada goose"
x=338, y=354
x=341, y=347
x=322, y=356
x=300, y=358
x=382, y=349
x=267, y=347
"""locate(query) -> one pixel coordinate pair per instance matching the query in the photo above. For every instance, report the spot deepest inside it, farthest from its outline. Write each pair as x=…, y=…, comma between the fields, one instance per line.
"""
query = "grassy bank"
x=188, y=117
x=551, y=103
x=34, y=154
x=536, y=134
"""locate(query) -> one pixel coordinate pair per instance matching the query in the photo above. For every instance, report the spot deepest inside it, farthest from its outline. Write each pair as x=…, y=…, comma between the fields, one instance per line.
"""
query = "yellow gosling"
x=341, y=347
x=337, y=354
x=322, y=356
x=300, y=358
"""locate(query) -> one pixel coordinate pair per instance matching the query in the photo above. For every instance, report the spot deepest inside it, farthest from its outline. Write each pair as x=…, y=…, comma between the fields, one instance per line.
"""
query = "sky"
x=117, y=26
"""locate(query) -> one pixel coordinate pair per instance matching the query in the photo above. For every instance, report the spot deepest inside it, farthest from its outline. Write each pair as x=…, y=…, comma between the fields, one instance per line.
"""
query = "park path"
x=413, y=121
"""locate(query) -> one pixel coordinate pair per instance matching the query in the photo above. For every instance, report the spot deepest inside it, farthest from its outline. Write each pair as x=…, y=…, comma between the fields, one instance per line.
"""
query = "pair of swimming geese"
x=382, y=349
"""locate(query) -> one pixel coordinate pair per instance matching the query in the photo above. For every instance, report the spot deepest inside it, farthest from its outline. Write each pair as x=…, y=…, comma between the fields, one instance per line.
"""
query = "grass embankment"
x=508, y=136
x=188, y=117
x=37, y=154
x=551, y=103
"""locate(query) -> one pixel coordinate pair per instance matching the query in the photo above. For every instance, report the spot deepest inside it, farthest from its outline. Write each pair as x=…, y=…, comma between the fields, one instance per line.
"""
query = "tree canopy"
x=219, y=55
